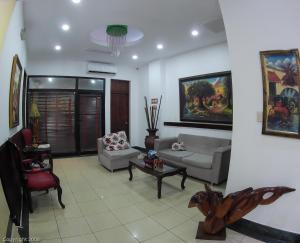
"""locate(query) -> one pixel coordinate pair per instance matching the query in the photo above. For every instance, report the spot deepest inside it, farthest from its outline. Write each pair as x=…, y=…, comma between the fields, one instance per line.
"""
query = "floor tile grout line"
x=138, y=201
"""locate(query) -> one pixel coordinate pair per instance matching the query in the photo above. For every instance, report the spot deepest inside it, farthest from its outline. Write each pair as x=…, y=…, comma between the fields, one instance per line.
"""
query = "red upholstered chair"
x=34, y=156
x=36, y=179
x=27, y=136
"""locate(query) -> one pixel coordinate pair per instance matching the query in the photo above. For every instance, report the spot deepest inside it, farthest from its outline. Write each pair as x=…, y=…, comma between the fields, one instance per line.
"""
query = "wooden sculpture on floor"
x=220, y=211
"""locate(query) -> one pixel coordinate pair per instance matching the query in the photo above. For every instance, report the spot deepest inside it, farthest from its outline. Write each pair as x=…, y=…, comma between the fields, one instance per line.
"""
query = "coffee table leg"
x=184, y=176
x=130, y=171
x=159, y=182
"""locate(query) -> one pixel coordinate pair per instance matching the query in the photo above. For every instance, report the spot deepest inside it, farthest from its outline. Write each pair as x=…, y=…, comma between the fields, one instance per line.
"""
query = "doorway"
x=120, y=97
x=90, y=120
x=71, y=112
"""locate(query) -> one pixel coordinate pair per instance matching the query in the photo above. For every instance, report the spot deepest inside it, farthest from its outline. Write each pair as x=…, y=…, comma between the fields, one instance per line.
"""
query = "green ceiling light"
x=116, y=38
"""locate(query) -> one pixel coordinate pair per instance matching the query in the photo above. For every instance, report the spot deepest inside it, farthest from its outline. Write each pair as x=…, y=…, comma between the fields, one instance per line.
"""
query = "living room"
x=84, y=89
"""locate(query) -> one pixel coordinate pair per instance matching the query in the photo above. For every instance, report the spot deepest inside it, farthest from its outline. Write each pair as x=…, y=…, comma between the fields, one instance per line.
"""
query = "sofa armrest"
x=220, y=164
x=100, y=146
x=164, y=143
x=223, y=149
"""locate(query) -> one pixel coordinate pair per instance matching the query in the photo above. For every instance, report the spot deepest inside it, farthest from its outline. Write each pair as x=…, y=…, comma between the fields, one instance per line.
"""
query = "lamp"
x=116, y=38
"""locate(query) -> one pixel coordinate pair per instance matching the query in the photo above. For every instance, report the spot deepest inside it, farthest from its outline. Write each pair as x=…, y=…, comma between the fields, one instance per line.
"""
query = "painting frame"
x=182, y=100
x=268, y=112
x=14, y=92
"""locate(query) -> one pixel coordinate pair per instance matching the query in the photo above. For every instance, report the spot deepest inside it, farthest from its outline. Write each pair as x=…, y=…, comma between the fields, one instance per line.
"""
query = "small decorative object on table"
x=152, y=154
x=220, y=211
x=152, y=114
x=152, y=161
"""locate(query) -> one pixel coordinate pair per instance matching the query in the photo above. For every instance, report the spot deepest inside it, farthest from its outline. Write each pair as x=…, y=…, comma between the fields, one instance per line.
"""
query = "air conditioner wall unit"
x=102, y=68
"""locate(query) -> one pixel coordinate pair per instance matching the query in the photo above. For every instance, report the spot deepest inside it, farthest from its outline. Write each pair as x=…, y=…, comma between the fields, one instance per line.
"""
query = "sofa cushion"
x=201, y=144
x=170, y=155
x=199, y=160
x=121, y=154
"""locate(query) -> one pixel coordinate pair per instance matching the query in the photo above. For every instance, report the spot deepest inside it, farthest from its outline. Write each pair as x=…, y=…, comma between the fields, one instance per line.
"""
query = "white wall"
x=258, y=160
x=12, y=45
x=63, y=67
x=163, y=78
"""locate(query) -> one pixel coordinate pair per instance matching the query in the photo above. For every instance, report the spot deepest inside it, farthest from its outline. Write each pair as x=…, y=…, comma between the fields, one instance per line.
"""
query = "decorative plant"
x=152, y=114
x=35, y=116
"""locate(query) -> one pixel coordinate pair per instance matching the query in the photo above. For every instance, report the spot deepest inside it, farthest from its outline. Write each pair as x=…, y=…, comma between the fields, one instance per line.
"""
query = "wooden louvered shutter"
x=57, y=121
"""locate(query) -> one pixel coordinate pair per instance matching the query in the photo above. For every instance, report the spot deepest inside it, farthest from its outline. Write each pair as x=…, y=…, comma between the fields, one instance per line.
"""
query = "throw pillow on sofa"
x=111, y=139
x=122, y=135
x=116, y=141
x=178, y=147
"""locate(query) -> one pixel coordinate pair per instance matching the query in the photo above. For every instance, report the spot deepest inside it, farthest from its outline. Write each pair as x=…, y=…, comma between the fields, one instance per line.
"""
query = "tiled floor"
x=106, y=207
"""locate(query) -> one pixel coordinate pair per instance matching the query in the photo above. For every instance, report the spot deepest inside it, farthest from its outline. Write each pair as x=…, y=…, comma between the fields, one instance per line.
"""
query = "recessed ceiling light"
x=65, y=27
x=50, y=79
x=93, y=81
x=76, y=1
x=135, y=57
x=160, y=46
x=57, y=47
x=194, y=32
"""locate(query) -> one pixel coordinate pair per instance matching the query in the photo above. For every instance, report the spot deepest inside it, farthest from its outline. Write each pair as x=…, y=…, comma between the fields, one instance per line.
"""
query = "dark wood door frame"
x=121, y=91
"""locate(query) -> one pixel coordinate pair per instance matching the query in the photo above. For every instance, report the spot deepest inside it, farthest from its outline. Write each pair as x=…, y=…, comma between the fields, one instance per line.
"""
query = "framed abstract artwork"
x=206, y=98
x=281, y=86
x=14, y=94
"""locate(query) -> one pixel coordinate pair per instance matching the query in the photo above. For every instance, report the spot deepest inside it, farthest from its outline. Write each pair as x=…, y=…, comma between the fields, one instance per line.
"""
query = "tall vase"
x=149, y=140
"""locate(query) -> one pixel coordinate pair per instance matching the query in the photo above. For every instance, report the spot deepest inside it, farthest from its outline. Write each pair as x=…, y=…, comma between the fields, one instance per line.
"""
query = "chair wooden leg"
x=59, y=190
x=59, y=193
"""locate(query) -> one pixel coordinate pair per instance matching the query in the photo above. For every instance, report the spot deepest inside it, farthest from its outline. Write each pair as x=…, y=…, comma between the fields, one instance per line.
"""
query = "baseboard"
x=264, y=233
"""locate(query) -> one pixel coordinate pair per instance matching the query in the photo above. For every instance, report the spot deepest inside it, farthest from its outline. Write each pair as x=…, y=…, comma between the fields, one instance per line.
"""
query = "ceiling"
x=162, y=21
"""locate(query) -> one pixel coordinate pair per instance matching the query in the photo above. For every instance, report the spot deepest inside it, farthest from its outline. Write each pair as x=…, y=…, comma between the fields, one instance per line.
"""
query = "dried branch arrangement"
x=152, y=114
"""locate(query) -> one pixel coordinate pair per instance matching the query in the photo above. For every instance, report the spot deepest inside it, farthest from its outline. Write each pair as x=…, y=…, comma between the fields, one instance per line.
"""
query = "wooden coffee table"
x=159, y=173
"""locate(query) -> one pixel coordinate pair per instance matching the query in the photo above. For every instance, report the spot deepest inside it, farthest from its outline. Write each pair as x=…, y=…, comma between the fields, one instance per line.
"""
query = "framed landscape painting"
x=14, y=93
x=206, y=98
x=281, y=84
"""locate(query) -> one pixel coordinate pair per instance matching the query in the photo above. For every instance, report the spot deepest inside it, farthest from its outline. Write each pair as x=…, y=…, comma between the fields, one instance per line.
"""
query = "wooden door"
x=120, y=106
x=90, y=121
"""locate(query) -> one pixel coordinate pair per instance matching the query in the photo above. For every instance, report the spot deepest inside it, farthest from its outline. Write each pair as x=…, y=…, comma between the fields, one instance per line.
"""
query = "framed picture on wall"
x=14, y=93
x=281, y=86
x=206, y=98
x=24, y=98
